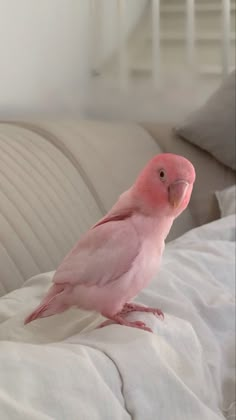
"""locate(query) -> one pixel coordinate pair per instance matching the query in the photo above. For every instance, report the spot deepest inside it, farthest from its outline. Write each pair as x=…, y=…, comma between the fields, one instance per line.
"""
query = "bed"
x=56, y=180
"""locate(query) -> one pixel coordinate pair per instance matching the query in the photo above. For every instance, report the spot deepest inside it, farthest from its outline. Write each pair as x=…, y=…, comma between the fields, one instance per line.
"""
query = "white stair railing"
x=95, y=36
x=156, y=43
x=191, y=7
x=122, y=42
x=190, y=34
x=225, y=37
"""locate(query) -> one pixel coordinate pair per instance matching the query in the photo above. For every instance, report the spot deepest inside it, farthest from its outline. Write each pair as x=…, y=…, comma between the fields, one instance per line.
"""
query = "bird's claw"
x=158, y=313
x=135, y=324
x=133, y=307
x=140, y=324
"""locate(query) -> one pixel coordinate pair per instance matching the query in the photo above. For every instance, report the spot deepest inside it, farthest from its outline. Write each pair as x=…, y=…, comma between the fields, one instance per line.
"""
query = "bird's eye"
x=162, y=174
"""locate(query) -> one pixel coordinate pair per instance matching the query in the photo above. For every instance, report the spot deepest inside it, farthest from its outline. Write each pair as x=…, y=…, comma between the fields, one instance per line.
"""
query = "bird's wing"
x=104, y=254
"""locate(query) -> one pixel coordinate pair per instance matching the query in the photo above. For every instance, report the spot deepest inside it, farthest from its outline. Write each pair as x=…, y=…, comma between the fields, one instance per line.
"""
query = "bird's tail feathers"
x=50, y=305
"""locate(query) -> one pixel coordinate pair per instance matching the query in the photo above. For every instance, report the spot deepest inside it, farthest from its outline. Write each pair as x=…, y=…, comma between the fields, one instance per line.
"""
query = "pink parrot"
x=119, y=255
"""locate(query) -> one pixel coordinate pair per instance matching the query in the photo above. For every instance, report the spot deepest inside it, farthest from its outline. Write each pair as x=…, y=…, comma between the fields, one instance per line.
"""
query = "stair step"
x=206, y=23
x=173, y=58
x=198, y=3
x=145, y=70
x=183, y=2
x=181, y=37
x=173, y=54
x=199, y=8
x=212, y=70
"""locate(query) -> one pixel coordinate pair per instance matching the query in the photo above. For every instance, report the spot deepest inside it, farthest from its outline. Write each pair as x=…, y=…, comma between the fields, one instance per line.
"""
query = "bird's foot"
x=117, y=319
x=133, y=307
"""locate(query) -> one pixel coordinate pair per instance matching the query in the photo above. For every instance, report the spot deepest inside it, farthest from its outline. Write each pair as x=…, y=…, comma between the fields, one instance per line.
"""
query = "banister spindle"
x=122, y=44
x=190, y=34
x=156, y=43
x=225, y=37
x=95, y=36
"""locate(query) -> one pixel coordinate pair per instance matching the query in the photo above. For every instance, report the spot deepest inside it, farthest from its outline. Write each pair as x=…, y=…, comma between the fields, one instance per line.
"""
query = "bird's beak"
x=177, y=192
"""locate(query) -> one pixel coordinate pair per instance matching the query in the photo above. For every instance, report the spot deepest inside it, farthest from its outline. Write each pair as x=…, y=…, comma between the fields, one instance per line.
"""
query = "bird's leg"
x=133, y=307
x=118, y=319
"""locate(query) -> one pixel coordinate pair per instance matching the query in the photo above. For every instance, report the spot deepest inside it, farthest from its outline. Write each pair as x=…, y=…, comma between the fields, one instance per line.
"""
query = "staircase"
x=173, y=39
x=181, y=88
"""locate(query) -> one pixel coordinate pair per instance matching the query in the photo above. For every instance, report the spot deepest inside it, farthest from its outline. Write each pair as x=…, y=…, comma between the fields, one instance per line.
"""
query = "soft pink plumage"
x=118, y=256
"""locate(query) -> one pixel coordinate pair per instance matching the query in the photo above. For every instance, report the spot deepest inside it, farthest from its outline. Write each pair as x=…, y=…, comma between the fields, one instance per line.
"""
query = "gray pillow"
x=212, y=127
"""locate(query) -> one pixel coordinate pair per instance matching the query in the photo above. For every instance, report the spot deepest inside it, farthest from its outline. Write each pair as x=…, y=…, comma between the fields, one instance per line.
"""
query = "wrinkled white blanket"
x=61, y=368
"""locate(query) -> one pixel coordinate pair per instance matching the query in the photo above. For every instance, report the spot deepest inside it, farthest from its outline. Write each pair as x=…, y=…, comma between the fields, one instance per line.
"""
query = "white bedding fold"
x=62, y=368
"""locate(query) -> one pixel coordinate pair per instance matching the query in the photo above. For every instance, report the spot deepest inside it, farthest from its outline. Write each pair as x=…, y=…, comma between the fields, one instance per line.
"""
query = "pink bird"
x=119, y=256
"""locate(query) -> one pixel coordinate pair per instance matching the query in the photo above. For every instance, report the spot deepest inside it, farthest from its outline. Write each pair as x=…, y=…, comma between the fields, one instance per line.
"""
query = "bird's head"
x=165, y=185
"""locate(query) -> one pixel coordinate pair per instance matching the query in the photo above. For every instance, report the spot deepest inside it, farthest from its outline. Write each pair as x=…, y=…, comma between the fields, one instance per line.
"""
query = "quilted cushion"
x=212, y=127
x=44, y=205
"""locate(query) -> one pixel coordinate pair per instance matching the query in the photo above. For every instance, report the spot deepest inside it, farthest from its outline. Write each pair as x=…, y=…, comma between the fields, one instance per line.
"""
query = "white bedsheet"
x=61, y=368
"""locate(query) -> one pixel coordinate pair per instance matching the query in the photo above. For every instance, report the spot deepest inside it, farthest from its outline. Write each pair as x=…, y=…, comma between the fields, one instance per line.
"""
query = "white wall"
x=44, y=56
x=106, y=30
